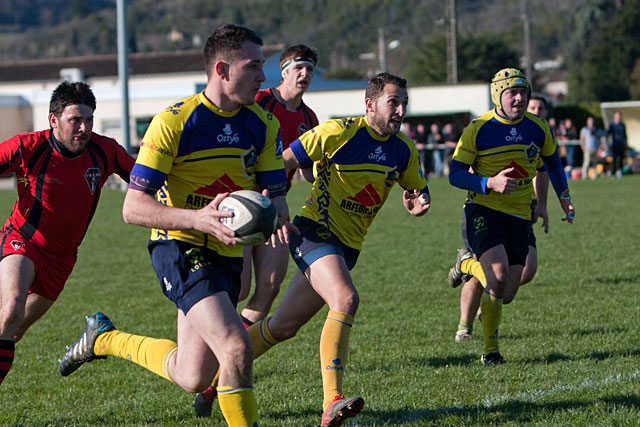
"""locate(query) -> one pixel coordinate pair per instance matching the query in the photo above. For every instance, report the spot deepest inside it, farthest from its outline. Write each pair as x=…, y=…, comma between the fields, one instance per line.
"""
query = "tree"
x=603, y=70
x=479, y=57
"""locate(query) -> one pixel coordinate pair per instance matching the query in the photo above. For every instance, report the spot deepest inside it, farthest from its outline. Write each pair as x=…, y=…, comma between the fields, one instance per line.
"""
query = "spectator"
x=617, y=134
x=590, y=143
x=424, y=151
x=434, y=139
x=573, y=151
x=450, y=141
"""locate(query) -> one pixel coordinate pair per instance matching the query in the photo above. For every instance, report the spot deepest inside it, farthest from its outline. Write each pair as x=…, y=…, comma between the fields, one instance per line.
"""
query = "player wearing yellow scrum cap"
x=503, y=147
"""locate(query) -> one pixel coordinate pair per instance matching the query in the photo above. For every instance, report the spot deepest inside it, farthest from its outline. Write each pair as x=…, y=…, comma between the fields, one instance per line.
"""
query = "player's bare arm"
x=143, y=209
x=290, y=161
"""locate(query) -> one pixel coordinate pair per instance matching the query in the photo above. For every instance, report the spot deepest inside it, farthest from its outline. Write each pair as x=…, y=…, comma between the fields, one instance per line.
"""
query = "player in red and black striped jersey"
x=60, y=173
x=297, y=64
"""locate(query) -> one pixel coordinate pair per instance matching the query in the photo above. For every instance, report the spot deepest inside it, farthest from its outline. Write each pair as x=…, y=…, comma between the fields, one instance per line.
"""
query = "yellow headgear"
x=505, y=79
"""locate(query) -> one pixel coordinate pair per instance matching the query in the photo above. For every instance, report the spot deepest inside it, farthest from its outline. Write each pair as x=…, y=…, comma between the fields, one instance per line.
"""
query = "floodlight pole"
x=123, y=72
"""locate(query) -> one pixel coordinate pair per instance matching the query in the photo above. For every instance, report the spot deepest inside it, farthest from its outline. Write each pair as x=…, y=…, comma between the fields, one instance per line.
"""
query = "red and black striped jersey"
x=57, y=196
x=292, y=123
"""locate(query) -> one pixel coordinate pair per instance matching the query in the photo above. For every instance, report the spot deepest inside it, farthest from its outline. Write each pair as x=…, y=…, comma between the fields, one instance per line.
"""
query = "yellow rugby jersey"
x=492, y=143
x=193, y=151
x=354, y=172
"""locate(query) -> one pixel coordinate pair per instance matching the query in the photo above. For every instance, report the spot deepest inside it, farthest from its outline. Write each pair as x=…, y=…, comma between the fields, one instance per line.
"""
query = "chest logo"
x=377, y=155
x=17, y=244
x=92, y=176
x=513, y=137
x=227, y=135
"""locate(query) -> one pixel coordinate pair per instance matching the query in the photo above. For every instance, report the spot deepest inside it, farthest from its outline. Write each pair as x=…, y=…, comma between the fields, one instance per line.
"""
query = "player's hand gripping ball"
x=254, y=216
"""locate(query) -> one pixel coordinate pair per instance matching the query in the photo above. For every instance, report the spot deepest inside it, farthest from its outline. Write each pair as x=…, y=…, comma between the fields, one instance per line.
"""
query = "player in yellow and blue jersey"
x=356, y=162
x=194, y=153
x=503, y=148
x=472, y=290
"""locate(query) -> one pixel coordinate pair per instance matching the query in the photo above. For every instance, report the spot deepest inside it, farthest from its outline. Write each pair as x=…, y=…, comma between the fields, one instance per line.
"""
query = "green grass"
x=571, y=338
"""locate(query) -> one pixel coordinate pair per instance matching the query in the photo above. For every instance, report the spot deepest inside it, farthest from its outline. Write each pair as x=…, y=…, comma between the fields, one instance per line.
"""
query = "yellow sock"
x=150, y=353
x=491, y=306
x=334, y=343
x=465, y=326
x=261, y=338
x=238, y=405
x=473, y=267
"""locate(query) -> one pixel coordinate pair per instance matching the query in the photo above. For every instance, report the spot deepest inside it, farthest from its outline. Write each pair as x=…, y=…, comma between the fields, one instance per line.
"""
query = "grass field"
x=571, y=339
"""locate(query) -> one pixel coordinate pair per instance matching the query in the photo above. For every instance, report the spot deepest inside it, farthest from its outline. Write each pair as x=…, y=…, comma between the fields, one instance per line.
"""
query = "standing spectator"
x=590, y=143
x=434, y=139
x=450, y=141
x=573, y=151
x=424, y=151
x=617, y=134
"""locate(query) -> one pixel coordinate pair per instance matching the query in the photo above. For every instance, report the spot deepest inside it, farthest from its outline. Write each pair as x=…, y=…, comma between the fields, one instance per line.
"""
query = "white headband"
x=295, y=61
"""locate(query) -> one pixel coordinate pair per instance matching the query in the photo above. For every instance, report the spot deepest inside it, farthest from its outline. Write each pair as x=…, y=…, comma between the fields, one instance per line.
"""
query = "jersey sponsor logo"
x=154, y=147
x=302, y=128
x=175, y=108
x=92, y=176
x=531, y=153
x=346, y=122
x=518, y=171
x=278, y=146
x=204, y=195
x=367, y=202
x=167, y=284
x=323, y=177
x=513, y=136
x=367, y=196
x=227, y=135
x=16, y=244
x=377, y=155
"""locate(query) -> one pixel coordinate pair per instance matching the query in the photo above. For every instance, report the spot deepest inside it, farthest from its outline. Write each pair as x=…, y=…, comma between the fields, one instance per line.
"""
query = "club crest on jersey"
x=227, y=135
x=302, y=128
x=513, y=136
x=92, y=176
x=249, y=159
x=390, y=177
x=531, y=153
x=17, y=244
x=377, y=155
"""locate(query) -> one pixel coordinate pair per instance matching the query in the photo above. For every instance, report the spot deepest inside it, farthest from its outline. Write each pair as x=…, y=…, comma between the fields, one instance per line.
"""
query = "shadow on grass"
x=614, y=280
x=510, y=411
x=596, y=356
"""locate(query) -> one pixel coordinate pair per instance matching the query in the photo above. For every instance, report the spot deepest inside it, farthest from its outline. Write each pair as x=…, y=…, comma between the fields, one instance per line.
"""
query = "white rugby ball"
x=254, y=216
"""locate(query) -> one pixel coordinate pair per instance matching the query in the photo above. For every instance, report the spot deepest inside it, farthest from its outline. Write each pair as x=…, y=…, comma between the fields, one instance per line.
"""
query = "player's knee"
x=11, y=314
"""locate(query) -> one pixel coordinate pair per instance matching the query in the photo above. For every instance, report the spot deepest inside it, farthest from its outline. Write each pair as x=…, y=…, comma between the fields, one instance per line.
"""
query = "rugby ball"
x=254, y=216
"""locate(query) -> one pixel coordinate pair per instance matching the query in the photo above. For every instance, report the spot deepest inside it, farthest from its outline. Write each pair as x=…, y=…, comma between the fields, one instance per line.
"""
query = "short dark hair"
x=225, y=42
x=540, y=98
x=68, y=93
x=299, y=51
x=377, y=83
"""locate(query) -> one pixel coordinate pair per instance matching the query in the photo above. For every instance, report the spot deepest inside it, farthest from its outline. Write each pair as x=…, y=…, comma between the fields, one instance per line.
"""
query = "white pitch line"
x=539, y=394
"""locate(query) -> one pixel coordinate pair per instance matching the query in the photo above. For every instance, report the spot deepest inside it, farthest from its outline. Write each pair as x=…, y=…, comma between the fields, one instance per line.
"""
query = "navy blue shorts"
x=531, y=236
x=487, y=228
x=316, y=241
x=190, y=273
